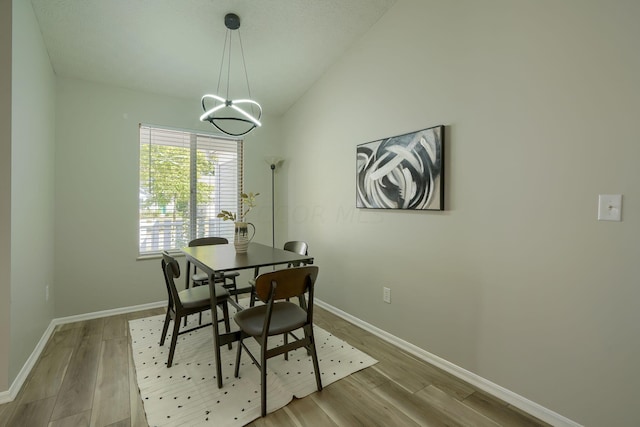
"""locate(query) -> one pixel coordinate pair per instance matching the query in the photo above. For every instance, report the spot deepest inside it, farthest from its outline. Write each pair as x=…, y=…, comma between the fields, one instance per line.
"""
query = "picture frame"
x=402, y=172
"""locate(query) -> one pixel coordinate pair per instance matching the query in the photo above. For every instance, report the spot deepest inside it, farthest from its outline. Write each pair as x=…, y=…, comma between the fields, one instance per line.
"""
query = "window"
x=186, y=178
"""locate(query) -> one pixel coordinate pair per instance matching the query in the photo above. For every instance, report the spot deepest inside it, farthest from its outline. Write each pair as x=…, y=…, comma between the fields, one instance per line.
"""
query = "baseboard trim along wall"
x=483, y=384
x=477, y=381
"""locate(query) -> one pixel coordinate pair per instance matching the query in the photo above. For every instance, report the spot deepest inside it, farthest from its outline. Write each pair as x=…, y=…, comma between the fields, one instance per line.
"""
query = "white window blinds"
x=186, y=179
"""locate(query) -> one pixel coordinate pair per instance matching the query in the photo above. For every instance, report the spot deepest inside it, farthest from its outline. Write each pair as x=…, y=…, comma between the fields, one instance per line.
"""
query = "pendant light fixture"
x=234, y=117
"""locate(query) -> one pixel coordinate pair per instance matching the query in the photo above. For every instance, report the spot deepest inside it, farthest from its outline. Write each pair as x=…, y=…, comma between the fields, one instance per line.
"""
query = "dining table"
x=216, y=259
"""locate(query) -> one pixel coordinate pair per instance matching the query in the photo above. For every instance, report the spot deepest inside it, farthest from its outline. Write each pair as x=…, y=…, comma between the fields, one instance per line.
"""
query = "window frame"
x=231, y=198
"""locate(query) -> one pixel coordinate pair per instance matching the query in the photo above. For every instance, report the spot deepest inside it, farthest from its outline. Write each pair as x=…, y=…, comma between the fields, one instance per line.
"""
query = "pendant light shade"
x=234, y=117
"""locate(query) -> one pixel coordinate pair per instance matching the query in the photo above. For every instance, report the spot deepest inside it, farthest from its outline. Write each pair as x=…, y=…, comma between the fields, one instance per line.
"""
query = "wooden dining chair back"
x=297, y=246
x=278, y=316
x=199, y=278
x=186, y=302
x=205, y=241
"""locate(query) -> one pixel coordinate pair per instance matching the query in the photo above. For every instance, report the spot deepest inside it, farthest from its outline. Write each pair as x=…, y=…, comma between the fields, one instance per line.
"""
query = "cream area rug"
x=187, y=393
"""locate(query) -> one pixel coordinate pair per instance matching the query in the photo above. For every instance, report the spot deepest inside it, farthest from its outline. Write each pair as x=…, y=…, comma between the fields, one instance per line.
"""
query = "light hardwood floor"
x=85, y=376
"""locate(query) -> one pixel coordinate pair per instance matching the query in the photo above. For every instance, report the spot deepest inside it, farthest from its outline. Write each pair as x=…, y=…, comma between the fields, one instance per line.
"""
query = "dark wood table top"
x=222, y=258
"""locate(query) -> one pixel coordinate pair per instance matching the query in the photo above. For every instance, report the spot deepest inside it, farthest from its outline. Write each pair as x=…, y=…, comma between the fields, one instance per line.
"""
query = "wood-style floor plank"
x=145, y=313
x=497, y=411
x=33, y=414
x=453, y=408
x=63, y=337
x=111, y=397
x=122, y=423
x=412, y=405
x=343, y=403
x=82, y=419
x=279, y=418
x=47, y=375
x=306, y=412
x=86, y=376
x=6, y=412
x=78, y=387
x=115, y=327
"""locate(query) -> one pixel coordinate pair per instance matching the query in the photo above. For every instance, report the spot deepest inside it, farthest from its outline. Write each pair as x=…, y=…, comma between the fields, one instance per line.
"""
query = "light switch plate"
x=609, y=207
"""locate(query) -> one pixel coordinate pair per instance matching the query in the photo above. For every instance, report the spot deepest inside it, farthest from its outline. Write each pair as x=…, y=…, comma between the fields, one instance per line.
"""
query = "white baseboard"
x=477, y=381
x=16, y=385
x=106, y=313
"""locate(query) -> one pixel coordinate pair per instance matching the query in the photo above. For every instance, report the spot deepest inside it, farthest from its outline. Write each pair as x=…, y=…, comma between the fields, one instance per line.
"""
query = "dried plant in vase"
x=248, y=200
x=241, y=237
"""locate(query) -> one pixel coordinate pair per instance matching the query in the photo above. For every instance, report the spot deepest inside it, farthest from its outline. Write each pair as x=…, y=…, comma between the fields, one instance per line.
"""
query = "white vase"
x=241, y=237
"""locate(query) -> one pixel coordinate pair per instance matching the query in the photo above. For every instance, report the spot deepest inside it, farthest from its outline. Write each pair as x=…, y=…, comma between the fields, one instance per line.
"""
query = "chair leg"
x=252, y=301
x=286, y=341
x=308, y=331
x=263, y=377
x=200, y=318
x=238, y=355
x=235, y=289
x=165, y=328
x=225, y=316
x=232, y=286
x=174, y=340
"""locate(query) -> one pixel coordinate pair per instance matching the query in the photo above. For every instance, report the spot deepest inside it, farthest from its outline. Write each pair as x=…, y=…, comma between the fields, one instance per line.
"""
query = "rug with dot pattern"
x=187, y=393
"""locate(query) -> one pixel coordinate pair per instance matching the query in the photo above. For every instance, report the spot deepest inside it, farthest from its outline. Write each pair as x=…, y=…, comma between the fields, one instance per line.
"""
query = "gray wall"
x=516, y=281
x=32, y=189
x=5, y=189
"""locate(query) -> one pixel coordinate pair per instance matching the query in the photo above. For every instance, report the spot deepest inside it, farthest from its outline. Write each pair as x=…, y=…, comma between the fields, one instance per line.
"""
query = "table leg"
x=188, y=275
x=216, y=334
x=186, y=286
x=253, y=297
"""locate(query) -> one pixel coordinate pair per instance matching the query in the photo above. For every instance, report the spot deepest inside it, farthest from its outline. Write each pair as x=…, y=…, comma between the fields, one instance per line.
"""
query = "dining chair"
x=187, y=301
x=278, y=316
x=228, y=280
x=297, y=246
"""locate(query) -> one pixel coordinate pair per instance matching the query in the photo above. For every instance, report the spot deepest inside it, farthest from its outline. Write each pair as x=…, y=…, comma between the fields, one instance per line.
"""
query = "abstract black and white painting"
x=402, y=172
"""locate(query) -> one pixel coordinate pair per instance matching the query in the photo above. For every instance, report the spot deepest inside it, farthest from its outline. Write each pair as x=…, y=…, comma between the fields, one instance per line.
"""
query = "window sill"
x=158, y=255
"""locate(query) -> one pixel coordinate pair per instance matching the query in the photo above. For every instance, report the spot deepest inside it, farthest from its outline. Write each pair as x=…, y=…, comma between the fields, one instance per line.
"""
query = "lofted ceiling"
x=174, y=47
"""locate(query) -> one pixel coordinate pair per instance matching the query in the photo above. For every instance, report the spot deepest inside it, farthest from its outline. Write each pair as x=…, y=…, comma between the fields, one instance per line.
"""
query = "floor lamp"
x=273, y=163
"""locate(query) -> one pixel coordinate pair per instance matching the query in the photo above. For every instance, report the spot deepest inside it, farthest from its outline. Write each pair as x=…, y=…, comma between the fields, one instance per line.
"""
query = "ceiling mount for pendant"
x=232, y=21
x=235, y=117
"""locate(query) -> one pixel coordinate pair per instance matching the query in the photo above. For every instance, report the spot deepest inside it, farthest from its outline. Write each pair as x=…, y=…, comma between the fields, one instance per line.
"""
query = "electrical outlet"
x=46, y=293
x=386, y=295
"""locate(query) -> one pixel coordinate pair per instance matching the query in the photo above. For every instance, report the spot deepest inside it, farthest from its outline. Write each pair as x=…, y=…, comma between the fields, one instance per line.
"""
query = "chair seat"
x=285, y=316
x=199, y=296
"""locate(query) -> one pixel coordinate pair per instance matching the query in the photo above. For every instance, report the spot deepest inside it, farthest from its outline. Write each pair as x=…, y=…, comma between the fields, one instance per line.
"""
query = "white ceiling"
x=174, y=47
